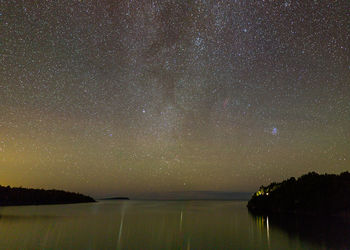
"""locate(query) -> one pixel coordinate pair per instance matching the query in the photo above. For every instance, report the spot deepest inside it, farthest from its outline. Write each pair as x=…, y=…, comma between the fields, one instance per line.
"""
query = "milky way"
x=135, y=97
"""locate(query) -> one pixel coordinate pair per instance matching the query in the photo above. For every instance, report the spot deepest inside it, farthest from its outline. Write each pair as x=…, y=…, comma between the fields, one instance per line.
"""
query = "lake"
x=163, y=225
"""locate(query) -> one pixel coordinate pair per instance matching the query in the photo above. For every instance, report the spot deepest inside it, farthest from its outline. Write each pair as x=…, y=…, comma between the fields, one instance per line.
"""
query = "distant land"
x=28, y=196
x=196, y=195
x=116, y=198
x=310, y=194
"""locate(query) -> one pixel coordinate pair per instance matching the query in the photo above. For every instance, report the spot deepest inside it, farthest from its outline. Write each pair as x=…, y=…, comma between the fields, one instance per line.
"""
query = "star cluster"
x=132, y=97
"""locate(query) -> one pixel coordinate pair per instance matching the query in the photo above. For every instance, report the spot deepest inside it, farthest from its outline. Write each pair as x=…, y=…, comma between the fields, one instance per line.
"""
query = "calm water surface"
x=162, y=225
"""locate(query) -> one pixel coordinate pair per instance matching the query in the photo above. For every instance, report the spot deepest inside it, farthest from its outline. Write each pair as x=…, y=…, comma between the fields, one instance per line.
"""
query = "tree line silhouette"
x=326, y=194
x=28, y=196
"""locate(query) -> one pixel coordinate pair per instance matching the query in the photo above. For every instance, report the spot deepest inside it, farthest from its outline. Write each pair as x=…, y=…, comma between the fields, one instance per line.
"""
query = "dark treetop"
x=28, y=196
x=312, y=193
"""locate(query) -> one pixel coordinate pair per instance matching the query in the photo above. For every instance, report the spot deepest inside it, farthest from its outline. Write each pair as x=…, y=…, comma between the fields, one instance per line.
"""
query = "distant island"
x=116, y=198
x=28, y=196
x=312, y=194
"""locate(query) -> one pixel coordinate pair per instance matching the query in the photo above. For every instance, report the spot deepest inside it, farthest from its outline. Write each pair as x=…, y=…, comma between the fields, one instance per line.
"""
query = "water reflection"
x=154, y=225
x=268, y=231
x=321, y=232
x=27, y=217
x=181, y=220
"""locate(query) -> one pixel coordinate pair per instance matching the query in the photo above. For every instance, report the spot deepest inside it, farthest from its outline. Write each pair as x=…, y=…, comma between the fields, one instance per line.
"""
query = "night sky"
x=139, y=97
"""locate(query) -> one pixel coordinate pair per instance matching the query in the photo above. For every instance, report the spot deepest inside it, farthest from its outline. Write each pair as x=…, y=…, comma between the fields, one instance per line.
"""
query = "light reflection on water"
x=319, y=232
x=145, y=225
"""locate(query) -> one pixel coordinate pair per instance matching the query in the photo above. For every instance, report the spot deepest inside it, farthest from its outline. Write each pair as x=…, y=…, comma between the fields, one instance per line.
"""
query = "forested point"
x=28, y=196
x=314, y=194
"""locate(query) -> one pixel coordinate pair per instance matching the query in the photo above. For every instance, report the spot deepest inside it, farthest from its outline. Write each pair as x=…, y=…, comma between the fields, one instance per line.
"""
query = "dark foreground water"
x=163, y=225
